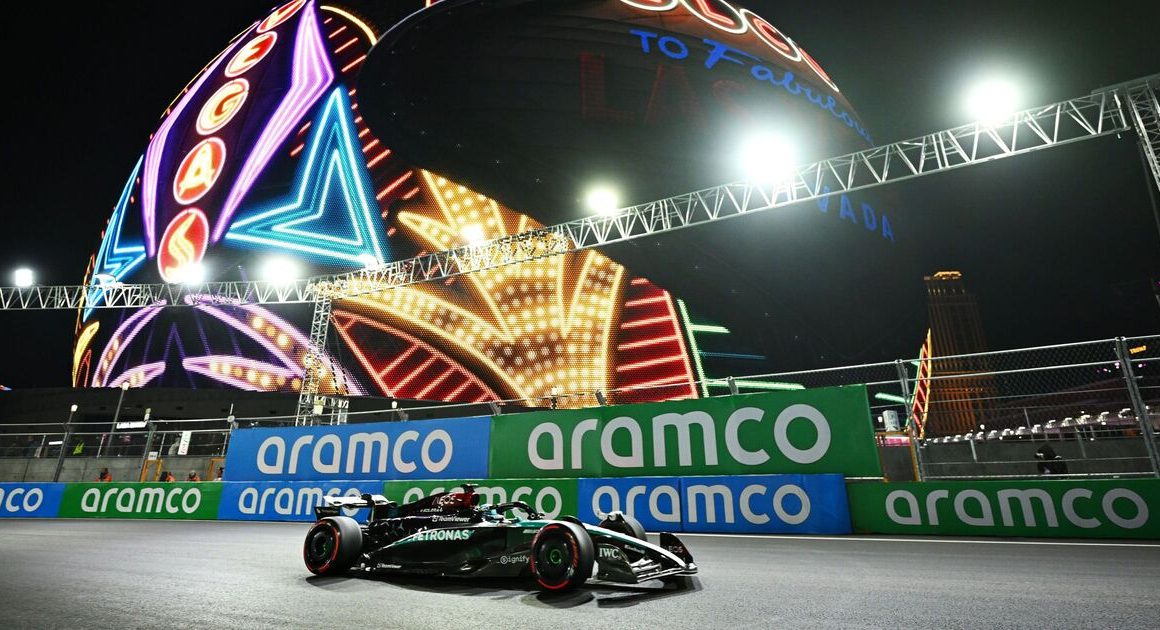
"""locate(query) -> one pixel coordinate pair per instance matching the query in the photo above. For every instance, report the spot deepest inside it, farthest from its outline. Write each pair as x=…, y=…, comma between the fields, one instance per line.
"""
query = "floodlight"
x=279, y=270
x=472, y=234
x=23, y=277
x=767, y=157
x=992, y=100
x=191, y=274
x=602, y=200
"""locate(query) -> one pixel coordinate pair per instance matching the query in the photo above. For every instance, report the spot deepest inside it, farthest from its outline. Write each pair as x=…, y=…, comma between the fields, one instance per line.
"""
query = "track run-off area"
x=223, y=574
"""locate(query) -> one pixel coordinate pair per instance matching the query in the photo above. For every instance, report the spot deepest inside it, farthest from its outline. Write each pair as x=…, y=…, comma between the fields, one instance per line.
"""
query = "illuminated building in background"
x=303, y=139
x=958, y=400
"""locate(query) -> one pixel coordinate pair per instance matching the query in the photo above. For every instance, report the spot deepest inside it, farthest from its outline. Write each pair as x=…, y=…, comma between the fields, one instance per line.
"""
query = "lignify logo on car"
x=440, y=535
x=515, y=558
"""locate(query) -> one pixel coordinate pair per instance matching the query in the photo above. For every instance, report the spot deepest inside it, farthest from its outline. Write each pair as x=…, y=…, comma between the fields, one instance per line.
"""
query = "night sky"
x=1059, y=246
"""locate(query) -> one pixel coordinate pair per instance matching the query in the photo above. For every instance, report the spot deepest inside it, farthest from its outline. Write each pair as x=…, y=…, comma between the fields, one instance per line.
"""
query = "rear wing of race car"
x=333, y=506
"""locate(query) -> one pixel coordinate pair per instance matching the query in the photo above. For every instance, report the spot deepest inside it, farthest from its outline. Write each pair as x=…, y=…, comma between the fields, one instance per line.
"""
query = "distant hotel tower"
x=957, y=405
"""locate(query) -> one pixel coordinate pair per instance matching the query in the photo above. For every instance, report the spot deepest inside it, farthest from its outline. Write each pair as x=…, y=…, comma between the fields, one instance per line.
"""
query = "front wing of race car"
x=625, y=559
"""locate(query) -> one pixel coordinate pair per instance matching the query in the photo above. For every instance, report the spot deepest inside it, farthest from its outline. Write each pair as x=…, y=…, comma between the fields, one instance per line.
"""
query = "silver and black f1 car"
x=451, y=534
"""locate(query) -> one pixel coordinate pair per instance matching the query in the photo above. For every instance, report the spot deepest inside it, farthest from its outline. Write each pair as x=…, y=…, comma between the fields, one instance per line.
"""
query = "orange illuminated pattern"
x=405, y=366
x=920, y=403
x=220, y=109
x=652, y=362
x=183, y=245
x=199, y=170
x=528, y=328
x=280, y=15
x=253, y=52
x=82, y=350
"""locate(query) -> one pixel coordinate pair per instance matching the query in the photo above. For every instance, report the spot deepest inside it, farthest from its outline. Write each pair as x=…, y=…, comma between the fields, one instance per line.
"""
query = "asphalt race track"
x=132, y=574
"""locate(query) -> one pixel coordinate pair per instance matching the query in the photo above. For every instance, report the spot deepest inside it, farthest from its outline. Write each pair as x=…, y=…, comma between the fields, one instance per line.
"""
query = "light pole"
x=116, y=416
x=64, y=443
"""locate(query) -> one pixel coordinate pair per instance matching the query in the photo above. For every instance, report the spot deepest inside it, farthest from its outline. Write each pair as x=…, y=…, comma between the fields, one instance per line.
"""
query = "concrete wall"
x=897, y=463
x=87, y=468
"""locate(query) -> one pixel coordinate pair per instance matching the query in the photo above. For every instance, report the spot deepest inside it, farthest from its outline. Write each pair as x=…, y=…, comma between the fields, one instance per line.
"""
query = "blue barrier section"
x=30, y=500
x=766, y=504
x=747, y=504
x=654, y=501
x=431, y=449
x=288, y=500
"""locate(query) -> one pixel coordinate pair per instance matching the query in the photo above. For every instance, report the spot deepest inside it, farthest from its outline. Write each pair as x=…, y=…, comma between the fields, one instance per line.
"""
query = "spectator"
x=193, y=476
x=221, y=471
x=105, y=476
x=167, y=476
x=1049, y=462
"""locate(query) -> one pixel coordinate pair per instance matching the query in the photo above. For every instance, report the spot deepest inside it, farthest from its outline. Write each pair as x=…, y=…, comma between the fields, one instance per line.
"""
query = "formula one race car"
x=451, y=534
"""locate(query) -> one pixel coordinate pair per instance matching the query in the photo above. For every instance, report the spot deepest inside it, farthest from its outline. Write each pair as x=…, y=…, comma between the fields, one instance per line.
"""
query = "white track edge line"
x=928, y=540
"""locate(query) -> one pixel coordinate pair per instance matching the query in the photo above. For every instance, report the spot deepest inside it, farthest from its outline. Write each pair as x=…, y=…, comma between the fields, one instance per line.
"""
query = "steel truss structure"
x=1141, y=97
x=1116, y=109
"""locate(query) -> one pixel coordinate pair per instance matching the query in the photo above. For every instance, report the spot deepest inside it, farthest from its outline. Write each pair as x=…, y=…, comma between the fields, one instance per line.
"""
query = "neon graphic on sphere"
x=221, y=108
x=285, y=343
x=333, y=177
x=354, y=20
x=82, y=346
x=199, y=170
x=156, y=152
x=120, y=340
x=280, y=15
x=140, y=375
x=183, y=244
x=242, y=373
x=253, y=52
x=392, y=366
x=527, y=327
x=311, y=76
x=114, y=258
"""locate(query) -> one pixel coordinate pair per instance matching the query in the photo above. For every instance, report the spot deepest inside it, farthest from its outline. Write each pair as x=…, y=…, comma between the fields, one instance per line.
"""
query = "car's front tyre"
x=562, y=556
x=332, y=545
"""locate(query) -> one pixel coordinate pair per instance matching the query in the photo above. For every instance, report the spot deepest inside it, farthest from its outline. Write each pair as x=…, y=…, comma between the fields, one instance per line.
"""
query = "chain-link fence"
x=1079, y=409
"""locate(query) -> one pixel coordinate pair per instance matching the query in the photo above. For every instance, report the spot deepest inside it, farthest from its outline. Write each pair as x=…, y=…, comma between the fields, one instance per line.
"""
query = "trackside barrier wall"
x=30, y=500
x=1088, y=509
x=191, y=501
x=772, y=504
x=288, y=500
x=1108, y=508
x=429, y=449
x=825, y=430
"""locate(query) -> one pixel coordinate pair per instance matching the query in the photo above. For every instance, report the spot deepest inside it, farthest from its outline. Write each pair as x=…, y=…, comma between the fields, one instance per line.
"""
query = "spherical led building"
x=332, y=136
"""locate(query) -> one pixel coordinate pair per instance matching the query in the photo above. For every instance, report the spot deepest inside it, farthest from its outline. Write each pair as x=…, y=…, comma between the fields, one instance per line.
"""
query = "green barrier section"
x=1080, y=509
x=806, y=431
x=141, y=500
x=551, y=497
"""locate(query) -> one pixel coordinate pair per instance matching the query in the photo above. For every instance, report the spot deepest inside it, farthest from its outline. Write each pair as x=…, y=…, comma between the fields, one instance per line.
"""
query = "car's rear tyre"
x=622, y=523
x=332, y=545
x=562, y=556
